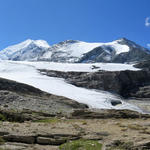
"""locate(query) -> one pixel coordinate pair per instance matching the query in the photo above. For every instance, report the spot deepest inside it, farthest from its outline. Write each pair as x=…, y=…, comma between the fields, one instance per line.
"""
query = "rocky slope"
x=119, y=51
x=18, y=97
x=145, y=65
x=51, y=133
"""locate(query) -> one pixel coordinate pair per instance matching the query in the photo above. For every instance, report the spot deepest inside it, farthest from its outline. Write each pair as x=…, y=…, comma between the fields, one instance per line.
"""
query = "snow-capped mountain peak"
x=41, y=43
x=118, y=51
x=28, y=49
x=74, y=51
x=25, y=44
x=68, y=51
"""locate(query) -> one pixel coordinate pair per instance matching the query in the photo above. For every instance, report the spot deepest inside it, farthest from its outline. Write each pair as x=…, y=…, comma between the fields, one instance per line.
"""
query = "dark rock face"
x=145, y=65
x=51, y=139
x=22, y=139
x=126, y=83
x=115, y=102
x=99, y=54
x=18, y=87
x=106, y=114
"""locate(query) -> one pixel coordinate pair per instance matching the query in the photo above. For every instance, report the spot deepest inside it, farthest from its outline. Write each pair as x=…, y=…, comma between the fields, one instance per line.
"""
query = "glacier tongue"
x=27, y=74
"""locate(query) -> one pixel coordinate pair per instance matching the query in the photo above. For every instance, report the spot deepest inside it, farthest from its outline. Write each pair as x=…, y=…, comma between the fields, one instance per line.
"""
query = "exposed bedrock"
x=126, y=83
x=18, y=96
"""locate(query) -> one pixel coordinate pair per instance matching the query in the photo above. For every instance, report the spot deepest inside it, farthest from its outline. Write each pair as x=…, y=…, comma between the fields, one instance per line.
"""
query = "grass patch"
x=2, y=141
x=120, y=145
x=49, y=120
x=2, y=117
x=81, y=145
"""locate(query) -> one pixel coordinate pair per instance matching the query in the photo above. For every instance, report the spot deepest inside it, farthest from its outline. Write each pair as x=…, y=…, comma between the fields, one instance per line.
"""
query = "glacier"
x=27, y=73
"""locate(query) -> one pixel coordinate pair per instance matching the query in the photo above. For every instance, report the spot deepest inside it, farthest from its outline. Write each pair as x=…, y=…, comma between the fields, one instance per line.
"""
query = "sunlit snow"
x=79, y=48
x=27, y=73
x=79, y=67
x=25, y=46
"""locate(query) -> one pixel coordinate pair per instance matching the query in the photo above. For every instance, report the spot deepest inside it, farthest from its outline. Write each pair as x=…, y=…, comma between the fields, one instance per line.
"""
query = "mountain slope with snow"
x=74, y=51
x=119, y=51
x=68, y=51
x=27, y=50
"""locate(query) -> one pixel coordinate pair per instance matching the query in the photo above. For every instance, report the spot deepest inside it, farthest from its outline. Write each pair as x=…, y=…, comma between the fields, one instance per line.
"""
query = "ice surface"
x=80, y=67
x=27, y=73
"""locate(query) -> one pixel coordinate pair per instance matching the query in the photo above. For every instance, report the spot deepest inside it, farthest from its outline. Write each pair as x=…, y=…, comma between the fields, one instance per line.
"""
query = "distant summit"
x=118, y=51
x=27, y=50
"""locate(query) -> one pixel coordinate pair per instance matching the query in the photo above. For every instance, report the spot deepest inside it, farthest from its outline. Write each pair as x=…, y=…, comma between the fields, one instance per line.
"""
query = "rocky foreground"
x=31, y=119
x=122, y=130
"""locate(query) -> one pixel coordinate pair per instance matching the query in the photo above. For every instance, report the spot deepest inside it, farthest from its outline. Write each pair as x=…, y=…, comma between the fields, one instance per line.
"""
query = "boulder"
x=19, y=138
x=51, y=141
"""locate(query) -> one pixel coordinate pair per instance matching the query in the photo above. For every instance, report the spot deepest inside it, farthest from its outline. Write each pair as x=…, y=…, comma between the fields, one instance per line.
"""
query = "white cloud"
x=148, y=45
x=147, y=22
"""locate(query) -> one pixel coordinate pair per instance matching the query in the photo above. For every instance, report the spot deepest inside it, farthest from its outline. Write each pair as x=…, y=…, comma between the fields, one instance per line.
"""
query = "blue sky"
x=86, y=20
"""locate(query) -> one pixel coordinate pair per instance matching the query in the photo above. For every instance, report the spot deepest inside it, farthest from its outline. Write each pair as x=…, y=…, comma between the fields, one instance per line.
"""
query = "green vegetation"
x=2, y=117
x=2, y=141
x=120, y=145
x=49, y=120
x=81, y=145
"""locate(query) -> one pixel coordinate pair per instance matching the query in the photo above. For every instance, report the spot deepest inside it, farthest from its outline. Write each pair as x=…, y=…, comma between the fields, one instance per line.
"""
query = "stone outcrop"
x=19, y=97
x=145, y=65
x=125, y=83
x=14, y=86
x=106, y=114
x=51, y=139
x=19, y=138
